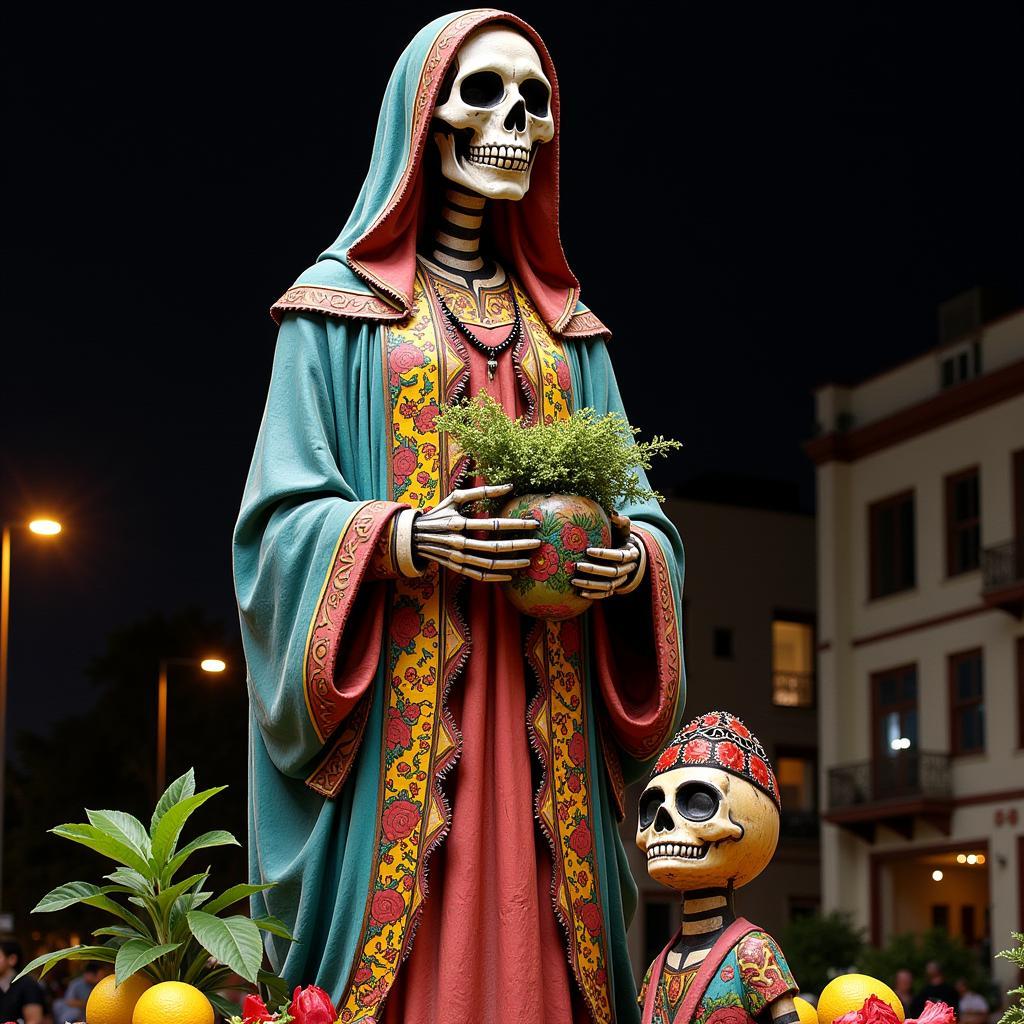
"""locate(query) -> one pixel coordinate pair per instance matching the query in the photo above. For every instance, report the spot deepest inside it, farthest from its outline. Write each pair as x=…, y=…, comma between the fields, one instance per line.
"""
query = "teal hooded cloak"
x=350, y=666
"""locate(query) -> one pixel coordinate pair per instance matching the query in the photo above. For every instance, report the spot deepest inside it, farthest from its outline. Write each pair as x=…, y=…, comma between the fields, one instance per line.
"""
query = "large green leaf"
x=98, y=840
x=131, y=880
x=168, y=828
x=234, y=941
x=273, y=925
x=136, y=954
x=168, y=896
x=218, y=837
x=120, y=931
x=233, y=895
x=124, y=827
x=106, y=954
x=68, y=895
x=277, y=991
x=103, y=902
x=180, y=789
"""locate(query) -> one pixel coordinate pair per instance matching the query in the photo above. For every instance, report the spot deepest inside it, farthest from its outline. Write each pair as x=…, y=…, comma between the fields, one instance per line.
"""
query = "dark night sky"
x=754, y=204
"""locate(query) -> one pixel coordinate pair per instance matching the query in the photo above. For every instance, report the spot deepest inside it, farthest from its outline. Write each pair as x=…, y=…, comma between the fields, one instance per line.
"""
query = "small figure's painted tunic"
x=753, y=975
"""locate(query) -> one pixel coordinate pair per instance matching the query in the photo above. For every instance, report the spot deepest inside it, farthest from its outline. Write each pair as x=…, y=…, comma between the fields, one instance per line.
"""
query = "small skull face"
x=701, y=827
x=496, y=114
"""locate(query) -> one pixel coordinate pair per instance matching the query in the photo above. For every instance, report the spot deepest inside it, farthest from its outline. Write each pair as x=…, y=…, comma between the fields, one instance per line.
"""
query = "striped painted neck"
x=706, y=913
x=456, y=243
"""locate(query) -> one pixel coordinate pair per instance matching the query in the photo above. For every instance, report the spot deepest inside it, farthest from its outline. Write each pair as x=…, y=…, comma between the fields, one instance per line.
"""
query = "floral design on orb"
x=569, y=525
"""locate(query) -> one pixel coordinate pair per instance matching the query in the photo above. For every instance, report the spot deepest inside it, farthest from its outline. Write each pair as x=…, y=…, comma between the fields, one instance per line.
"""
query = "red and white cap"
x=720, y=740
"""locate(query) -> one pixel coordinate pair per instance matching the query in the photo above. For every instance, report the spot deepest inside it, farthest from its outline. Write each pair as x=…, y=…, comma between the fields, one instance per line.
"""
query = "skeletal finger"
x=503, y=564
x=459, y=542
x=467, y=494
x=503, y=524
x=627, y=554
x=465, y=570
x=595, y=595
x=584, y=584
x=443, y=524
x=613, y=571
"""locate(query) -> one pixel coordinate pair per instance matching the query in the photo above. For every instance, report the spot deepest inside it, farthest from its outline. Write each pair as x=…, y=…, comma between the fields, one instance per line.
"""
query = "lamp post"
x=42, y=528
x=207, y=665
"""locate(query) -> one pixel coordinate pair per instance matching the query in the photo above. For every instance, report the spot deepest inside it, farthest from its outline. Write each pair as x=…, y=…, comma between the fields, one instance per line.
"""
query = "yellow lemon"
x=172, y=1002
x=808, y=1014
x=849, y=992
x=113, y=1004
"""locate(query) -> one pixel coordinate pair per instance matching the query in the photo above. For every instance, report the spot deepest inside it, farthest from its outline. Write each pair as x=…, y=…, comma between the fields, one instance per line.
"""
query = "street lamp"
x=41, y=528
x=207, y=665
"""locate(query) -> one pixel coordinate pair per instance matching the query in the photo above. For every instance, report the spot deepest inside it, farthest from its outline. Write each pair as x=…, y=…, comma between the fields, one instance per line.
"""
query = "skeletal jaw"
x=511, y=158
x=678, y=851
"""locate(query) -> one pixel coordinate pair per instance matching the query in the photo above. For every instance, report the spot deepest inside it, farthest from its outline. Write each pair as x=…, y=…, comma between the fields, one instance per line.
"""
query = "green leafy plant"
x=817, y=947
x=1015, y=1014
x=164, y=933
x=594, y=456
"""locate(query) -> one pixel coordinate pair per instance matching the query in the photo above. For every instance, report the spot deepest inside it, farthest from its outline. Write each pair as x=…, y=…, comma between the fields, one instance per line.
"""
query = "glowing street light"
x=937, y=875
x=212, y=665
x=42, y=528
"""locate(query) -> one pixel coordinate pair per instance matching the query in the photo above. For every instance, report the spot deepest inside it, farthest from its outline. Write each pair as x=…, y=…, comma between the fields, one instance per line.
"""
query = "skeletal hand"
x=440, y=536
x=611, y=570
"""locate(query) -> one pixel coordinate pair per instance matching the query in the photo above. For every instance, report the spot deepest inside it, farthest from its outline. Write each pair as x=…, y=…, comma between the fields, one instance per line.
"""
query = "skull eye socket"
x=535, y=95
x=697, y=801
x=649, y=804
x=482, y=89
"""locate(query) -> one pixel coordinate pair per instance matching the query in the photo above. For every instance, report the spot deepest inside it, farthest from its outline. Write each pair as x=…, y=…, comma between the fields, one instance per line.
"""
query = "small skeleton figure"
x=709, y=823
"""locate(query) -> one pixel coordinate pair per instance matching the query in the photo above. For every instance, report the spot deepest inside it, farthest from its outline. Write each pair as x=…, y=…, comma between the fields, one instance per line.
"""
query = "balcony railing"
x=1003, y=576
x=793, y=689
x=906, y=775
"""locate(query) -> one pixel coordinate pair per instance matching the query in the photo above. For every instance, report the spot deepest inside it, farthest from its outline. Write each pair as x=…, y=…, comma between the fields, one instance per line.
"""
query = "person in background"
x=72, y=1007
x=973, y=1008
x=24, y=998
x=903, y=986
x=936, y=989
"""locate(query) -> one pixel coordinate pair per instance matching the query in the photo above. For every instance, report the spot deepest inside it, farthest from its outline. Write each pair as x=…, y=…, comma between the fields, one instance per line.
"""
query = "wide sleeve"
x=311, y=540
x=764, y=972
x=637, y=637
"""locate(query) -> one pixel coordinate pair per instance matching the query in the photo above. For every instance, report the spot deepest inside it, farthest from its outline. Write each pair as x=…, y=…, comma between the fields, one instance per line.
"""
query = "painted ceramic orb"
x=569, y=525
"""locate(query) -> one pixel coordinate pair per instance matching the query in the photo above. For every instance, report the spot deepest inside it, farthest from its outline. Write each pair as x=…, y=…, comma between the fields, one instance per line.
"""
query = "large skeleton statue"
x=436, y=780
x=709, y=824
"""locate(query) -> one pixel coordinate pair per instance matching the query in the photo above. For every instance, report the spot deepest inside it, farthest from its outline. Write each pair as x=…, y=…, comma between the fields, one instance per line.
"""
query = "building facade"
x=920, y=512
x=748, y=637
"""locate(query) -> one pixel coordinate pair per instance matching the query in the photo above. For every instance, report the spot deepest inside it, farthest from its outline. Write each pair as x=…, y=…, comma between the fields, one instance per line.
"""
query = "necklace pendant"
x=492, y=367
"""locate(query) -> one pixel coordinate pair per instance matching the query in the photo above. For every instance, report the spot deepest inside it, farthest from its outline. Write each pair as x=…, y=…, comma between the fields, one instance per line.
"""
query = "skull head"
x=701, y=827
x=495, y=115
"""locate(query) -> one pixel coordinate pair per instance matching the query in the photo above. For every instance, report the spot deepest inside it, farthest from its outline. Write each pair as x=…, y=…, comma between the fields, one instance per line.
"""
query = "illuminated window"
x=792, y=663
x=795, y=776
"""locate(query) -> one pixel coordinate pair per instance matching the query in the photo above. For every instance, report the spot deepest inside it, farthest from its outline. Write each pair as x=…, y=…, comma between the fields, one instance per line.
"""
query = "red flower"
x=728, y=1015
x=407, y=882
x=410, y=675
x=363, y=975
x=423, y=478
x=582, y=878
x=544, y=563
x=574, y=538
x=574, y=783
x=590, y=914
x=578, y=749
x=738, y=727
x=254, y=1011
x=405, y=625
x=933, y=1013
x=411, y=712
x=710, y=720
x=426, y=417
x=403, y=769
x=399, y=819
x=697, y=750
x=430, y=631
x=388, y=905
x=730, y=755
x=404, y=464
x=403, y=358
x=728, y=973
x=570, y=635
x=407, y=409
x=428, y=451
x=398, y=732
x=312, y=1005
x=564, y=379
x=667, y=759
x=581, y=842
x=692, y=727
x=759, y=770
